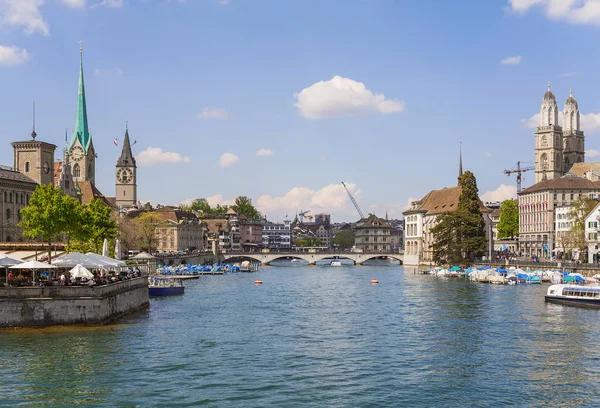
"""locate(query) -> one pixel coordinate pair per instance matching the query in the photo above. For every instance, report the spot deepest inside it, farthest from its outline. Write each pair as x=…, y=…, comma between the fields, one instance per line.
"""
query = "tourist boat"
x=165, y=286
x=336, y=263
x=575, y=295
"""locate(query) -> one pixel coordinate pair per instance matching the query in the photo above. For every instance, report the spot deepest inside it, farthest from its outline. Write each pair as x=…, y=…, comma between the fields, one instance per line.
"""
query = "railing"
x=61, y=292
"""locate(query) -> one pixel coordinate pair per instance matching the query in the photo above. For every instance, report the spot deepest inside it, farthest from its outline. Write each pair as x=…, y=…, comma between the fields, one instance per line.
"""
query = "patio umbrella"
x=118, y=249
x=105, y=248
x=33, y=265
x=144, y=255
x=6, y=261
x=72, y=259
x=80, y=271
x=105, y=260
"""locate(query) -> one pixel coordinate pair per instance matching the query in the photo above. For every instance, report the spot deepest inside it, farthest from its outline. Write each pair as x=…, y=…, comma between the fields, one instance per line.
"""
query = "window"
x=8, y=214
x=563, y=196
x=571, y=196
x=22, y=198
x=10, y=197
x=77, y=171
x=555, y=196
x=26, y=167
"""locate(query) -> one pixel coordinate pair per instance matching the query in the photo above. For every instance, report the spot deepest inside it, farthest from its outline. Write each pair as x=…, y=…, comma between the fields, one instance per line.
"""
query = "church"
x=74, y=174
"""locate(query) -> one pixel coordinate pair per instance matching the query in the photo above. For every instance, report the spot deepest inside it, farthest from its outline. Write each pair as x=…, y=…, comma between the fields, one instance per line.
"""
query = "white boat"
x=576, y=295
x=335, y=263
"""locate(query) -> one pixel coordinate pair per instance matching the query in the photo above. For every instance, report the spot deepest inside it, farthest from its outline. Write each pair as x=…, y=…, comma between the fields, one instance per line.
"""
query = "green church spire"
x=81, y=130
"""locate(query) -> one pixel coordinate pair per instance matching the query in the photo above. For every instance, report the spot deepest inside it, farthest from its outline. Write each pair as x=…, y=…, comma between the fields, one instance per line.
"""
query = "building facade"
x=179, y=231
x=126, y=176
x=15, y=192
x=277, y=235
x=591, y=233
x=372, y=234
x=557, y=148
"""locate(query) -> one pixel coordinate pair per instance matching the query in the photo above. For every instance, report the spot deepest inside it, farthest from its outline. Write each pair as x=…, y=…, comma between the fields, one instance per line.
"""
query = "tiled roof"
x=6, y=173
x=217, y=225
x=175, y=214
x=444, y=200
x=373, y=221
x=580, y=168
x=563, y=183
x=89, y=192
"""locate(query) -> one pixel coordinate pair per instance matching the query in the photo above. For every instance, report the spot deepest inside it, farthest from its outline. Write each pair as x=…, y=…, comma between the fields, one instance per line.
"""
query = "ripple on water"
x=317, y=337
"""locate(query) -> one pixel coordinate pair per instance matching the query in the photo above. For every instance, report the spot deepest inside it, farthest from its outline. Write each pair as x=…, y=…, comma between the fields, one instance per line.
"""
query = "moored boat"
x=575, y=295
x=165, y=286
x=336, y=263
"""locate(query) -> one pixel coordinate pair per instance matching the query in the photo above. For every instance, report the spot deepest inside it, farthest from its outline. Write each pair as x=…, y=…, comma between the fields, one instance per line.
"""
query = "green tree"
x=344, y=239
x=50, y=214
x=309, y=242
x=508, y=226
x=147, y=226
x=459, y=236
x=580, y=208
x=97, y=225
x=200, y=204
x=243, y=206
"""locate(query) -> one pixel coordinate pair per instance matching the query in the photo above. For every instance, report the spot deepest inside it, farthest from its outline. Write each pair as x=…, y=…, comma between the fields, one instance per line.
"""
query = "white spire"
x=549, y=109
x=571, y=114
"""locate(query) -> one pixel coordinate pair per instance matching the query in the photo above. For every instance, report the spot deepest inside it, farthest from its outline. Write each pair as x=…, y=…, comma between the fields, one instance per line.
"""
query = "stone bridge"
x=311, y=257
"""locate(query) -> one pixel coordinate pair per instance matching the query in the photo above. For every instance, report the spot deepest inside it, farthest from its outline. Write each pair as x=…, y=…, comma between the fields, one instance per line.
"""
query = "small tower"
x=81, y=148
x=460, y=169
x=548, y=141
x=34, y=158
x=64, y=180
x=126, y=176
x=573, y=139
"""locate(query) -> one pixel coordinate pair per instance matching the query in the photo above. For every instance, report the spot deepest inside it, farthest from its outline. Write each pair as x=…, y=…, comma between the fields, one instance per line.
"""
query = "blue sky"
x=199, y=79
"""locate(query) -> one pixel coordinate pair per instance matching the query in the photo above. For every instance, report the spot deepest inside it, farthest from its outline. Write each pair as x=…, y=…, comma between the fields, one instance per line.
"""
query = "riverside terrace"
x=54, y=305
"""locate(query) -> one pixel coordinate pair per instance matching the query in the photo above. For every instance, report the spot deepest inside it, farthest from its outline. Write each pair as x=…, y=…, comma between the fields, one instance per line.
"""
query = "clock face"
x=46, y=168
x=125, y=176
x=77, y=153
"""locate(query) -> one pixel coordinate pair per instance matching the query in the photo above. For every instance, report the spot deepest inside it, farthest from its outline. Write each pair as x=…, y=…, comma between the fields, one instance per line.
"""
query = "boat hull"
x=574, y=301
x=158, y=291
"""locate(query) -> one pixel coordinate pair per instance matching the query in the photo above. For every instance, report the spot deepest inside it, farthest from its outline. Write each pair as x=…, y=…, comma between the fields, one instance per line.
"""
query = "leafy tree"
x=199, y=204
x=243, y=206
x=344, y=239
x=50, y=214
x=309, y=242
x=148, y=227
x=508, y=226
x=459, y=236
x=97, y=225
x=579, y=210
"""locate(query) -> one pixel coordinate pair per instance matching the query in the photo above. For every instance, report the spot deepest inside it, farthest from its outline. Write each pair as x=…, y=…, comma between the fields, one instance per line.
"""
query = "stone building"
x=557, y=148
x=180, y=230
x=537, y=206
x=15, y=191
x=126, y=176
x=372, y=234
x=219, y=230
x=277, y=235
x=63, y=179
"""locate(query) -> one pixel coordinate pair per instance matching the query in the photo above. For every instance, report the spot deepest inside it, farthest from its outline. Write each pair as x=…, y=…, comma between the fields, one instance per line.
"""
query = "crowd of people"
x=65, y=279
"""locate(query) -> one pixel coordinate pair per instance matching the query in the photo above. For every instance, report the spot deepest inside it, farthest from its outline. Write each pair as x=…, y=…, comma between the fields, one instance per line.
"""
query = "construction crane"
x=302, y=213
x=518, y=171
x=353, y=201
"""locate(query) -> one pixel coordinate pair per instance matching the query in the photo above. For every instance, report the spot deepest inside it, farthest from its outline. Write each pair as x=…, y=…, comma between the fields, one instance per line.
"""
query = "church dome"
x=549, y=96
x=570, y=100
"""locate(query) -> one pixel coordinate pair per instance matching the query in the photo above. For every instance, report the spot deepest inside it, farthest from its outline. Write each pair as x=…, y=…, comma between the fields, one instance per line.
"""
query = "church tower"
x=126, y=176
x=548, y=141
x=81, y=148
x=573, y=139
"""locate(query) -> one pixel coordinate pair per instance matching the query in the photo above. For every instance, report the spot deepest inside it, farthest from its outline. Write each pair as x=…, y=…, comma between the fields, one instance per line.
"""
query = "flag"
x=115, y=142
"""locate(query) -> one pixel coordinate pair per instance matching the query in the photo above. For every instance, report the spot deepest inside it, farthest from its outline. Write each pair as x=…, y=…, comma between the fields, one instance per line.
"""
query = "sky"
x=281, y=101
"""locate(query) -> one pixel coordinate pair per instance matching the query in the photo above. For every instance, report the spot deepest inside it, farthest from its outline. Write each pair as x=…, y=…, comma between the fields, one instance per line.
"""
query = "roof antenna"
x=33, y=134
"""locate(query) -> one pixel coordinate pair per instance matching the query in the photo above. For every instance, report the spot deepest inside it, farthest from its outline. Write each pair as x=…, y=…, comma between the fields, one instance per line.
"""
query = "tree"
x=459, y=236
x=243, y=206
x=309, y=242
x=508, y=226
x=199, y=204
x=344, y=239
x=50, y=214
x=580, y=208
x=97, y=225
x=147, y=227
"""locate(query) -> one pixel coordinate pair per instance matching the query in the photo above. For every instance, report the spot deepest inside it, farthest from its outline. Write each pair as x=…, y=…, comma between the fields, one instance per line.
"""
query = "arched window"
x=8, y=214
x=544, y=161
x=89, y=173
x=567, y=163
x=5, y=197
x=76, y=170
x=26, y=167
x=22, y=198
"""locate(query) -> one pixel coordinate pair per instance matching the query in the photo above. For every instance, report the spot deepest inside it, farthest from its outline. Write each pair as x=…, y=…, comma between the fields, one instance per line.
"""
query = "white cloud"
x=74, y=3
x=592, y=153
x=228, y=159
x=568, y=74
x=331, y=199
x=572, y=11
x=511, y=60
x=24, y=13
x=224, y=2
x=265, y=152
x=156, y=155
x=590, y=122
x=342, y=97
x=12, y=55
x=213, y=113
x=110, y=3
x=503, y=192
x=488, y=154
x=213, y=200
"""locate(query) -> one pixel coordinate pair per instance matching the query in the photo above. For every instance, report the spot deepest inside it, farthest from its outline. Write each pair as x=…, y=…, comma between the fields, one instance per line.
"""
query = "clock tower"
x=81, y=149
x=126, y=176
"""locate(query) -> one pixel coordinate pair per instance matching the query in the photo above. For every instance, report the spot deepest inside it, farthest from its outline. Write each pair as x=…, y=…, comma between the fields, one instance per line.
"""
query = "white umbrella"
x=118, y=249
x=105, y=248
x=71, y=259
x=32, y=265
x=106, y=261
x=143, y=255
x=80, y=271
x=6, y=261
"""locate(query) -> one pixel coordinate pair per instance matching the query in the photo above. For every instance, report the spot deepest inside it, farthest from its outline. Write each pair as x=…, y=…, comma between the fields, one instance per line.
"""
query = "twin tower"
x=557, y=148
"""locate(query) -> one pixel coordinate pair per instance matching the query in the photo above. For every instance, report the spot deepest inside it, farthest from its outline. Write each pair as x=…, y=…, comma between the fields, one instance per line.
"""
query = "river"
x=317, y=337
